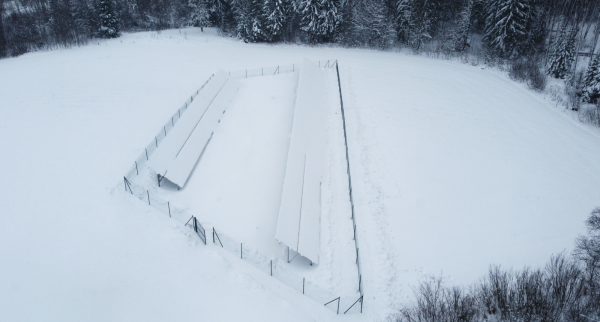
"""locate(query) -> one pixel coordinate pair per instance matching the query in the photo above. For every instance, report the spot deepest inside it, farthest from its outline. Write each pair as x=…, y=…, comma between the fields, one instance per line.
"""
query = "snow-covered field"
x=454, y=167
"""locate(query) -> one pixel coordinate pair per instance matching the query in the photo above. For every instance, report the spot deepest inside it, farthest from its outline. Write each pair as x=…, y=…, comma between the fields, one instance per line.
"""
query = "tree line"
x=538, y=37
x=567, y=289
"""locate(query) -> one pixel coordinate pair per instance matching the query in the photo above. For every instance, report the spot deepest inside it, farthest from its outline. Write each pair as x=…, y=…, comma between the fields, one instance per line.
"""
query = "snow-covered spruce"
x=199, y=13
x=108, y=23
x=563, y=55
x=506, y=25
x=275, y=17
x=372, y=24
x=320, y=19
x=250, y=21
x=591, y=89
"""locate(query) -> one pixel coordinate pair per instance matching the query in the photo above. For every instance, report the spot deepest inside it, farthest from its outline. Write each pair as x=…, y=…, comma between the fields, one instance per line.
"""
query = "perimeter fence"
x=272, y=266
x=360, y=290
x=276, y=70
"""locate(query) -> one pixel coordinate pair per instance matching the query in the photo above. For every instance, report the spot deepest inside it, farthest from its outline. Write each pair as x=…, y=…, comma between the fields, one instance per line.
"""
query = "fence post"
x=303, y=285
x=168, y=205
x=240, y=250
x=148, y=192
x=271, y=267
x=359, y=281
x=165, y=129
x=136, y=169
x=156, y=141
x=146, y=153
x=215, y=233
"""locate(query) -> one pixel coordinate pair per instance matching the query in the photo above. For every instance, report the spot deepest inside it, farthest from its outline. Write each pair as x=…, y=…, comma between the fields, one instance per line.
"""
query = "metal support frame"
x=127, y=184
x=338, y=306
x=290, y=260
x=361, y=304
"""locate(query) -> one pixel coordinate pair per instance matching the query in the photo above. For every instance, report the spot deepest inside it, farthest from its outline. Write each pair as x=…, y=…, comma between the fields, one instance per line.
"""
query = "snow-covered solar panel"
x=212, y=88
x=174, y=158
x=182, y=167
x=169, y=148
x=299, y=222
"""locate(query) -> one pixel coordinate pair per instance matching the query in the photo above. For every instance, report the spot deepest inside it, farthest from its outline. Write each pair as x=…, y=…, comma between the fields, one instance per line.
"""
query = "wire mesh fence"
x=274, y=267
x=276, y=70
x=278, y=269
x=358, y=265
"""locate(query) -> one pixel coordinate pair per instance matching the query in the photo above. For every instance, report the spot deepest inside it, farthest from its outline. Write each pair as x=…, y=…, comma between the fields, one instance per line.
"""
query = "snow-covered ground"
x=454, y=168
x=236, y=187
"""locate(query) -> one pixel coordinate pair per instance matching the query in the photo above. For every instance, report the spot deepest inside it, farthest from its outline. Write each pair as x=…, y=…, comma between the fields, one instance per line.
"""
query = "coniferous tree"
x=108, y=24
x=276, y=13
x=250, y=23
x=223, y=15
x=563, y=55
x=591, y=89
x=460, y=35
x=403, y=19
x=537, y=33
x=81, y=24
x=258, y=23
x=372, y=23
x=506, y=25
x=199, y=13
x=478, y=14
x=3, y=42
x=330, y=19
x=61, y=21
x=309, y=11
x=421, y=21
x=490, y=20
x=320, y=19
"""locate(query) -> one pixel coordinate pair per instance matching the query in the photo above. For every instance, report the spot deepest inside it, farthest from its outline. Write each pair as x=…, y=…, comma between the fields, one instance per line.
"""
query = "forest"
x=534, y=39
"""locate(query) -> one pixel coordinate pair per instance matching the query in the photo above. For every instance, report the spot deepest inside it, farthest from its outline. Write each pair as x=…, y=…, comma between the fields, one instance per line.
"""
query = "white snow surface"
x=454, y=167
